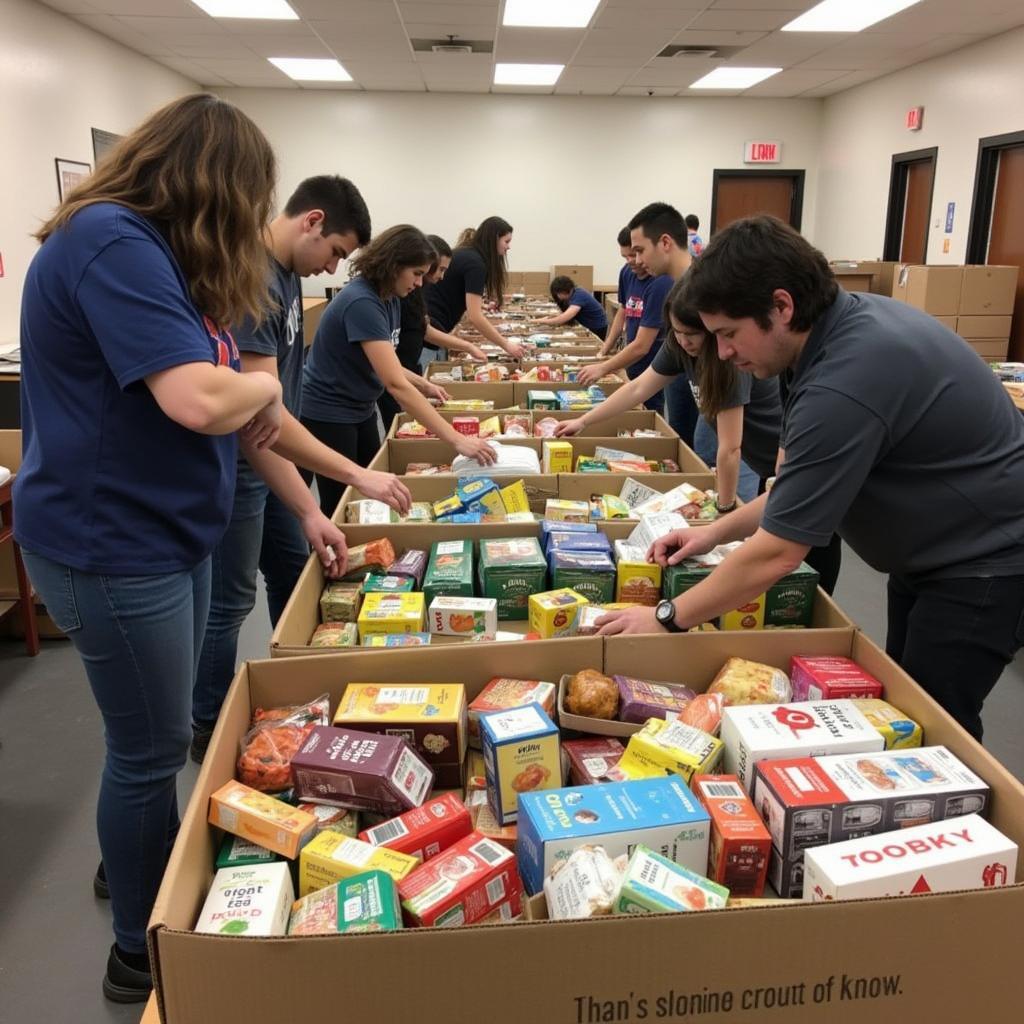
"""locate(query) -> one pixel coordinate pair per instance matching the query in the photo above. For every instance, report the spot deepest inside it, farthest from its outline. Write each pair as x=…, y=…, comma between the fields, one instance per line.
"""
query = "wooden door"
x=1006, y=236
x=917, y=207
x=738, y=194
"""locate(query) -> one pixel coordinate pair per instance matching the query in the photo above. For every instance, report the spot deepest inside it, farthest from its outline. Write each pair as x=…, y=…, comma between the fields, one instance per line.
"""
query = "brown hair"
x=485, y=241
x=391, y=251
x=204, y=172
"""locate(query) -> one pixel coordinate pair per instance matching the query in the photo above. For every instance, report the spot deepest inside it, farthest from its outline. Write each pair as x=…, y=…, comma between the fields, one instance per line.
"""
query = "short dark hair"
x=624, y=239
x=657, y=219
x=692, y=221
x=391, y=251
x=747, y=261
x=343, y=205
x=441, y=247
x=561, y=284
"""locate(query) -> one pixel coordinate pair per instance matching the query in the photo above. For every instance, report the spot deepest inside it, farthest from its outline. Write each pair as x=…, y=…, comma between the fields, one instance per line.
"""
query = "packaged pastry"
x=267, y=748
x=641, y=699
x=511, y=569
x=331, y=857
x=249, y=900
x=898, y=731
x=391, y=613
x=674, y=500
x=518, y=424
x=449, y=570
x=369, y=512
x=377, y=583
x=637, y=580
x=567, y=511
x=335, y=634
x=502, y=694
x=749, y=682
x=590, y=573
x=273, y=824
x=367, y=902
x=413, y=429
x=829, y=677
x=585, y=885
x=490, y=427
x=546, y=427
x=653, y=884
x=333, y=819
x=369, y=557
x=424, y=831
x=703, y=712
x=671, y=747
x=590, y=760
x=592, y=695
x=554, y=613
x=340, y=602
x=396, y=640
x=412, y=564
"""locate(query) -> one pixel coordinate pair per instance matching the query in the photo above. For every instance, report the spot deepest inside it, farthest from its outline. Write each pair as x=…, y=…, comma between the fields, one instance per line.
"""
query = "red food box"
x=425, y=831
x=465, y=884
x=740, y=845
x=469, y=425
x=588, y=761
x=831, y=678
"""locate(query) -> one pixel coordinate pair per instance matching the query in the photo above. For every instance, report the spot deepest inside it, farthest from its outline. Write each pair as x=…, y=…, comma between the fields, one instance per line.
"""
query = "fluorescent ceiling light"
x=549, y=13
x=734, y=78
x=527, y=74
x=846, y=15
x=258, y=10
x=307, y=69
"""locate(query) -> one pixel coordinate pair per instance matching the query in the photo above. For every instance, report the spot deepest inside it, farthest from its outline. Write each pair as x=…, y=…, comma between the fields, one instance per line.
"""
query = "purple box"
x=412, y=564
x=361, y=770
x=640, y=699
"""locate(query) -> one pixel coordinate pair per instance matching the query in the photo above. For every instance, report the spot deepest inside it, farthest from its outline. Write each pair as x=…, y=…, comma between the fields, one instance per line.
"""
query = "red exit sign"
x=915, y=119
x=762, y=153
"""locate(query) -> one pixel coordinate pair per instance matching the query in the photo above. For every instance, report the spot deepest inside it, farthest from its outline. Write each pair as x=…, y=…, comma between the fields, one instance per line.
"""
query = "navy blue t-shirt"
x=339, y=384
x=591, y=314
x=108, y=482
x=645, y=301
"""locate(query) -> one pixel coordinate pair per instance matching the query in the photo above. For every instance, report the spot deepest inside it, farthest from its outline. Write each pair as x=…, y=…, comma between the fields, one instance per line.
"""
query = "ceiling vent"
x=453, y=45
x=451, y=48
x=700, y=52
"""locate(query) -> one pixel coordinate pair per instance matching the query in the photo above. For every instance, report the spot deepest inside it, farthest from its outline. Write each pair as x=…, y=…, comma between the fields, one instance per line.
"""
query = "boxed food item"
x=756, y=732
x=586, y=621
x=634, y=493
x=564, y=510
x=814, y=801
x=830, y=677
x=463, y=885
x=741, y=844
x=675, y=500
x=942, y=856
x=334, y=819
x=587, y=762
x=653, y=884
x=651, y=528
x=331, y=857
x=637, y=580
x=554, y=613
x=514, y=498
x=391, y=613
x=377, y=583
x=468, y=425
x=550, y=526
x=571, y=540
x=424, y=831
x=585, y=885
x=450, y=569
x=367, y=902
x=608, y=506
x=897, y=730
x=252, y=815
x=463, y=616
x=396, y=640
x=361, y=770
x=511, y=569
x=412, y=564
x=236, y=852
x=740, y=681
x=486, y=823
x=253, y=899
x=476, y=773
x=503, y=694
x=641, y=699
x=590, y=573
x=340, y=602
x=375, y=555
x=521, y=754
x=335, y=634
x=368, y=512
x=668, y=747
x=557, y=457
x=537, y=399
x=431, y=718
x=660, y=813
x=480, y=494
x=419, y=511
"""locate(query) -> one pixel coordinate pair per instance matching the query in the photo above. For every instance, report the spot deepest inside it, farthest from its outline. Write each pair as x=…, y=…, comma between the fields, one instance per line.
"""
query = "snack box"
x=830, y=677
x=555, y=612
x=586, y=885
x=248, y=900
x=653, y=884
x=587, y=762
x=637, y=580
x=252, y=815
x=586, y=620
x=942, y=856
x=660, y=813
x=361, y=770
x=463, y=616
x=759, y=732
x=424, y=831
x=340, y=602
x=468, y=425
x=634, y=493
x=236, y=852
x=568, y=540
x=641, y=699
x=521, y=754
x=449, y=570
x=431, y=718
x=674, y=500
x=396, y=640
x=549, y=526
x=480, y=495
x=557, y=457
x=332, y=857
x=511, y=569
x=590, y=573
x=335, y=634
x=465, y=884
x=367, y=902
x=502, y=694
x=814, y=801
x=898, y=731
x=377, y=583
x=363, y=558
x=391, y=613
x=413, y=564
x=741, y=844
x=368, y=512
x=515, y=499
x=564, y=510
x=669, y=747
x=650, y=528
x=542, y=400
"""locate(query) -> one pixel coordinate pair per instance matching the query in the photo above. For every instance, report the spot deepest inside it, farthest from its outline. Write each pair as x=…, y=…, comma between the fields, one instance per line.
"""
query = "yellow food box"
x=557, y=457
x=514, y=498
x=747, y=616
x=493, y=503
x=556, y=612
x=453, y=503
x=270, y=823
x=636, y=580
x=896, y=728
x=392, y=613
x=332, y=857
x=564, y=510
x=671, y=746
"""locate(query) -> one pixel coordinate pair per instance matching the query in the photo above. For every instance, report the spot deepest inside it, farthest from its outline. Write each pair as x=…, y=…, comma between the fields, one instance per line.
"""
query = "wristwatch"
x=665, y=613
x=726, y=508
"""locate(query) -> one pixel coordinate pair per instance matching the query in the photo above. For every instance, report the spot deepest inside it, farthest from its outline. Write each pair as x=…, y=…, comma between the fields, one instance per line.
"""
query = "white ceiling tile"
x=479, y=78
x=935, y=48
x=847, y=81
x=678, y=75
x=592, y=81
x=72, y=6
x=485, y=15
x=763, y=5
x=721, y=38
x=456, y=86
x=457, y=63
x=155, y=8
x=525, y=90
x=330, y=86
x=173, y=26
x=355, y=12
x=741, y=21
x=786, y=48
x=537, y=46
x=792, y=82
x=254, y=27
x=675, y=17
x=218, y=47
x=287, y=46
x=363, y=40
x=637, y=44
x=430, y=30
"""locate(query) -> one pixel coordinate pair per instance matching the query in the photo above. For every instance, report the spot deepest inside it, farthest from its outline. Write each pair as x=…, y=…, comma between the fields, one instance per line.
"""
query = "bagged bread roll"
x=592, y=695
x=585, y=885
x=749, y=682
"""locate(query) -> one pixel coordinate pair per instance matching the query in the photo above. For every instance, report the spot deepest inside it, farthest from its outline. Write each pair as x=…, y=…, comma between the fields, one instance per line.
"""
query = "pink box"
x=830, y=678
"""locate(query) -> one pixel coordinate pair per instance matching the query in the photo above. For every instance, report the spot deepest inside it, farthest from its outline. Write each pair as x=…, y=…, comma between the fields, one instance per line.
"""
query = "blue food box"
x=550, y=526
x=662, y=814
x=562, y=540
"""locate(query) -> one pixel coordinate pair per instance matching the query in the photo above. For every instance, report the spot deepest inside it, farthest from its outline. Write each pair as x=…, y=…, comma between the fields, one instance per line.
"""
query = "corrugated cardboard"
x=936, y=290
x=890, y=961
x=535, y=282
x=853, y=280
x=990, y=348
x=947, y=321
x=971, y=327
x=882, y=274
x=635, y=419
x=313, y=307
x=988, y=291
x=582, y=275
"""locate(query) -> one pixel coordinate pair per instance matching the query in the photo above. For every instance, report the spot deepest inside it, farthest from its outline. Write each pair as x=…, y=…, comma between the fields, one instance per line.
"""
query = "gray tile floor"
x=54, y=935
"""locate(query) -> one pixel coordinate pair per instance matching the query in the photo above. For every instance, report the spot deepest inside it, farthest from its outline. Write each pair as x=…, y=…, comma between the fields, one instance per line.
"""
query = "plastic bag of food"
x=703, y=712
x=276, y=735
x=749, y=682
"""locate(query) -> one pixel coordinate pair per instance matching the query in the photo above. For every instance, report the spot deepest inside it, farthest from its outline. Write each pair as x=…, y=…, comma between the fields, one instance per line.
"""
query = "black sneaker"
x=99, y=884
x=200, y=741
x=125, y=984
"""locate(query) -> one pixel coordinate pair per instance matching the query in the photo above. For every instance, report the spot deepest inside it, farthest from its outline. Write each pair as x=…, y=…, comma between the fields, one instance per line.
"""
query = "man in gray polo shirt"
x=895, y=435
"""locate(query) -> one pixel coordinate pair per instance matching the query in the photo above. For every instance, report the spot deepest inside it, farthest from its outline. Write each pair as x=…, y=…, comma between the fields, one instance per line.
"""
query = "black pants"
x=955, y=637
x=389, y=409
x=356, y=441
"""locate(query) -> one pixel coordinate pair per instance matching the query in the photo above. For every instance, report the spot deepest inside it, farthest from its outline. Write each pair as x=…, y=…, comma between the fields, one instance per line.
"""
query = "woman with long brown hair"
x=130, y=407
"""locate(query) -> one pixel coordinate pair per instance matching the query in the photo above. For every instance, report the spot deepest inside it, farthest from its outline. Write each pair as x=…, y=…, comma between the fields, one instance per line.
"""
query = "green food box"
x=511, y=569
x=340, y=602
x=236, y=852
x=542, y=400
x=450, y=570
x=362, y=903
x=376, y=584
x=589, y=573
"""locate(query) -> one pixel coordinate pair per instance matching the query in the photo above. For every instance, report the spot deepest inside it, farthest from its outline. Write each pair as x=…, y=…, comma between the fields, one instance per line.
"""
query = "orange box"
x=261, y=819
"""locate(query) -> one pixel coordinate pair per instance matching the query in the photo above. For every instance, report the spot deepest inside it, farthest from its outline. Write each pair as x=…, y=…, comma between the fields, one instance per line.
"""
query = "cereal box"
x=432, y=719
x=335, y=634
x=740, y=843
x=367, y=902
x=670, y=746
x=897, y=730
x=757, y=732
x=249, y=900
x=943, y=856
x=542, y=400
x=450, y=569
x=641, y=699
x=480, y=495
x=521, y=754
x=590, y=573
x=340, y=602
x=564, y=510
x=391, y=613
x=236, y=852
x=331, y=857
x=465, y=884
x=463, y=616
x=361, y=770
x=424, y=831
x=660, y=813
x=654, y=884
x=587, y=762
x=585, y=885
x=511, y=569
x=396, y=640
x=554, y=613
x=637, y=580
x=557, y=457
x=255, y=816
x=829, y=677
x=502, y=694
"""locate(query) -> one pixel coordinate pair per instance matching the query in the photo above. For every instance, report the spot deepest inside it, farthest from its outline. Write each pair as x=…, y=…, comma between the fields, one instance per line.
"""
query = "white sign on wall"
x=762, y=152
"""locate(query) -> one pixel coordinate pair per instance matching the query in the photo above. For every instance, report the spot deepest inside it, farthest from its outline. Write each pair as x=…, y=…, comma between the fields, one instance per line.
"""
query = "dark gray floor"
x=54, y=935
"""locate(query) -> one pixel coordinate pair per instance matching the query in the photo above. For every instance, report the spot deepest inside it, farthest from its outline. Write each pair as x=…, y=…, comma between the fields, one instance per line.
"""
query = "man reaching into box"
x=894, y=435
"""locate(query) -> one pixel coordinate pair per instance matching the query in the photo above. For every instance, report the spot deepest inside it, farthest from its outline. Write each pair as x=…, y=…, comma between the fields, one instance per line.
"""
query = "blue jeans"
x=681, y=409
x=139, y=639
x=705, y=444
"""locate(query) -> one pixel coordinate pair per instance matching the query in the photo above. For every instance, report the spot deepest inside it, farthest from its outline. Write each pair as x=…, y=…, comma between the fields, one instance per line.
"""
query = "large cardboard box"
x=971, y=327
x=313, y=307
x=581, y=274
x=890, y=960
x=853, y=279
x=990, y=348
x=936, y=290
x=535, y=282
x=881, y=274
x=988, y=291
x=635, y=419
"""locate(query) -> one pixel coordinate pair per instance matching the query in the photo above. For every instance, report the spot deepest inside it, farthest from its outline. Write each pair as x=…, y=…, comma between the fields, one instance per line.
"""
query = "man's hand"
x=474, y=352
x=629, y=620
x=569, y=428
x=435, y=391
x=263, y=430
x=474, y=448
x=516, y=349
x=679, y=544
x=384, y=487
x=590, y=374
x=328, y=542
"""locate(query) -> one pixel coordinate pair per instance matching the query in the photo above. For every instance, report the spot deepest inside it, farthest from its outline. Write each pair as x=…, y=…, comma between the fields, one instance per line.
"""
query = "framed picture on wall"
x=102, y=143
x=69, y=174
